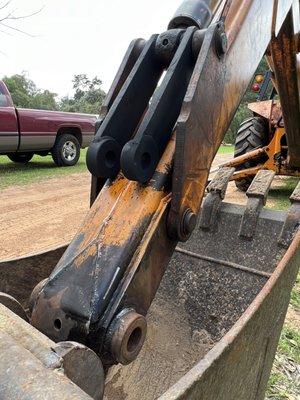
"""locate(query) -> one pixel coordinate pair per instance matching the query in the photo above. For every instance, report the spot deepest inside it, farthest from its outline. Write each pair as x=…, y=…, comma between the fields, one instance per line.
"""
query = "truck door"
x=9, y=133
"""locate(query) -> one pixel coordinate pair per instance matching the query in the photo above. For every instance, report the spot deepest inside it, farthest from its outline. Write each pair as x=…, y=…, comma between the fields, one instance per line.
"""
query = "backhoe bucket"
x=214, y=325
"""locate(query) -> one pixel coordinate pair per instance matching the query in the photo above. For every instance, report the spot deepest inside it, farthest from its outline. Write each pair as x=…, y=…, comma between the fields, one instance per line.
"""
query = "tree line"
x=88, y=94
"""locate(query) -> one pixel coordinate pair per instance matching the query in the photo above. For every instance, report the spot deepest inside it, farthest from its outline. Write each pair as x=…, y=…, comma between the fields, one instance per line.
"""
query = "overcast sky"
x=77, y=36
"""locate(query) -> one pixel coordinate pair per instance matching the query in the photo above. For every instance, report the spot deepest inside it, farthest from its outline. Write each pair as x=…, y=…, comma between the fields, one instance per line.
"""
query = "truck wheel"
x=23, y=158
x=252, y=134
x=66, y=151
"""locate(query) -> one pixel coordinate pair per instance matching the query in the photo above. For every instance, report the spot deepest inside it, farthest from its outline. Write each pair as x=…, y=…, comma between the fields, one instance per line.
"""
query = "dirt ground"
x=41, y=215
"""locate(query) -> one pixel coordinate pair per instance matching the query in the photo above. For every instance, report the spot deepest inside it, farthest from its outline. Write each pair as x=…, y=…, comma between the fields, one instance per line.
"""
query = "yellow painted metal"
x=274, y=148
x=277, y=164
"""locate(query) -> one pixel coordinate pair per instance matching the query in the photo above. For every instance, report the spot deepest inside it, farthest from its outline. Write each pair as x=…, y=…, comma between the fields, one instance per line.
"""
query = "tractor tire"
x=252, y=134
x=66, y=151
x=21, y=158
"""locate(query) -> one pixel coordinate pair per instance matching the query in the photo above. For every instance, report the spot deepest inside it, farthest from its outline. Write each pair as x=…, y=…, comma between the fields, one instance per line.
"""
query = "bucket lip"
x=39, y=253
x=194, y=374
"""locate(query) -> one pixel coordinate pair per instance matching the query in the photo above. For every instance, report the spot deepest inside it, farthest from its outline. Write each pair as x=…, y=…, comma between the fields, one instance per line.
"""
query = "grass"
x=289, y=344
x=37, y=169
x=278, y=197
x=226, y=149
x=284, y=382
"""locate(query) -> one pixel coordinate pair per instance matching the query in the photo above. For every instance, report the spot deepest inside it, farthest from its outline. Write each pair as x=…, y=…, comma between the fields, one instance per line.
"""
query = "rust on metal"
x=237, y=161
x=104, y=284
x=202, y=378
x=35, y=367
x=127, y=335
x=229, y=264
x=210, y=103
x=292, y=220
x=12, y=304
x=257, y=196
x=113, y=235
x=252, y=171
x=216, y=193
x=283, y=51
x=269, y=109
x=273, y=151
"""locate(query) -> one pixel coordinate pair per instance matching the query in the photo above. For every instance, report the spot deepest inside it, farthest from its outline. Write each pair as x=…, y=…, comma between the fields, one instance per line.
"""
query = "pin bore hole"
x=134, y=339
x=57, y=324
x=145, y=160
x=110, y=159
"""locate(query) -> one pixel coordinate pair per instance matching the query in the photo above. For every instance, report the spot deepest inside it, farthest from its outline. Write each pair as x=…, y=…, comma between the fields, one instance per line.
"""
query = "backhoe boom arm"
x=150, y=162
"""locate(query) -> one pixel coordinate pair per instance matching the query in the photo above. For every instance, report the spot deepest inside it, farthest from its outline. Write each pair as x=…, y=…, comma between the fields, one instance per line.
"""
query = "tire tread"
x=251, y=135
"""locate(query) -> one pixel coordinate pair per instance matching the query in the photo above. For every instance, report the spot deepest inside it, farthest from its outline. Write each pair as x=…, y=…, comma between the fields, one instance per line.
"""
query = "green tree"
x=21, y=88
x=88, y=95
x=25, y=93
x=45, y=100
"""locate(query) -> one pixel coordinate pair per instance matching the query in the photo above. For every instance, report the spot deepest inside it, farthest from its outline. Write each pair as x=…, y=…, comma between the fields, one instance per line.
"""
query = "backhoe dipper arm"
x=154, y=147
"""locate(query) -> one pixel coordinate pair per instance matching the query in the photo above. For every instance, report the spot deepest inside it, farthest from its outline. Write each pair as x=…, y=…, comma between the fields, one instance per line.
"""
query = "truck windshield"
x=4, y=100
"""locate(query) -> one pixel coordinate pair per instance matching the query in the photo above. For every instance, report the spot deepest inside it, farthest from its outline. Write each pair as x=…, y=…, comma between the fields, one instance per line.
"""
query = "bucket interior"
x=204, y=292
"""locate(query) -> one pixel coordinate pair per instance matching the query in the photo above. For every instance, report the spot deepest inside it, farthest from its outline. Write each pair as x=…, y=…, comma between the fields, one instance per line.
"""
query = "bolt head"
x=189, y=221
x=221, y=43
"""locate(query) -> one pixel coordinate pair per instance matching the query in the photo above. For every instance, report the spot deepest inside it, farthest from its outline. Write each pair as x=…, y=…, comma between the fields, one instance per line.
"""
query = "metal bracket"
x=292, y=221
x=103, y=156
x=133, y=52
x=216, y=193
x=257, y=196
x=140, y=155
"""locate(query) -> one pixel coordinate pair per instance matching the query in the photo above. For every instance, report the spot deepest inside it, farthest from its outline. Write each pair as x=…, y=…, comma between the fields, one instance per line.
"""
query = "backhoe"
x=166, y=291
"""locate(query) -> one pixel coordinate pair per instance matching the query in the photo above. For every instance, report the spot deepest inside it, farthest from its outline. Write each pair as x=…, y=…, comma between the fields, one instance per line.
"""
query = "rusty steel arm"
x=101, y=289
x=284, y=49
x=216, y=90
x=110, y=266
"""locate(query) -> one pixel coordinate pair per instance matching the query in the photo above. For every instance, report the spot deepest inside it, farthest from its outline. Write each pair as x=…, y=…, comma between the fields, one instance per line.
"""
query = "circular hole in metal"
x=110, y=159
x=165, y=42
x=145, y=160
x=134, y=339
x=57, y=324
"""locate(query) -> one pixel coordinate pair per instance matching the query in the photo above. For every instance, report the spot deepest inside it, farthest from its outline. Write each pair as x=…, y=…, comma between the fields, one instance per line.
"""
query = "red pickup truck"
x=24, y=132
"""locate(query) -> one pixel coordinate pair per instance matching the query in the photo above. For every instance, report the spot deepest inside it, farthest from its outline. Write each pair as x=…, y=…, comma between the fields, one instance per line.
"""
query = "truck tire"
x=252, y=134
x=66, y=150
x=22, y=158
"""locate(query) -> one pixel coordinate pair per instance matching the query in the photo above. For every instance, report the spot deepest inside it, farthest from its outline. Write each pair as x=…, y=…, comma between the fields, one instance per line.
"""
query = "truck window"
x=3, y=98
